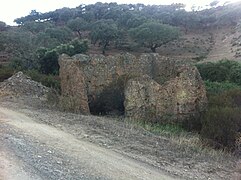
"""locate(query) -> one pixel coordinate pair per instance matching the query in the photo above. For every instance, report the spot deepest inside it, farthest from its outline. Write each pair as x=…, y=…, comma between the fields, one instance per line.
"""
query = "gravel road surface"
x=30, y=150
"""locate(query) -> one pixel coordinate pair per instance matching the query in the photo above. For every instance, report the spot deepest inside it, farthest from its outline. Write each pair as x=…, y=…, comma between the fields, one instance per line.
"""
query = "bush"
x=220, y=87
x=5, y=72
x=229, y=71
x=47, y=80
x=221, y=122
x=49, y=62
x=220, y=125
x=73, y=47
x=48, y=58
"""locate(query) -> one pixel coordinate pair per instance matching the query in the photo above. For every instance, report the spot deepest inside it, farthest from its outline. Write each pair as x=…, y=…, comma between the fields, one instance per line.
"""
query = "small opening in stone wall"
x=110, y=101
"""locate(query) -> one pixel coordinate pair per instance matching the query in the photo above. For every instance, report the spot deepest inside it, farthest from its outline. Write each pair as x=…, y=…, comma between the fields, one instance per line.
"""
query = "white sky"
x=12, y=9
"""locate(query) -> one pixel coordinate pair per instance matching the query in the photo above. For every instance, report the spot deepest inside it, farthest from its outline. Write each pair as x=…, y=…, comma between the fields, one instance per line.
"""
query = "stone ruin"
x=149, y=87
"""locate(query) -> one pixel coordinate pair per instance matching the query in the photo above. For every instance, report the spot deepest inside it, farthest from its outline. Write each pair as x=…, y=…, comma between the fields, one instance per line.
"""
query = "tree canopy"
x=108, y=25
x=104, y=31
x=153, y=34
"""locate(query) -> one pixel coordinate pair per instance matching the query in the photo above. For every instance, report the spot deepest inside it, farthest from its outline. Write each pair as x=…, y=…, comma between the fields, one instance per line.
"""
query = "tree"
x=33, y=16
x=153, y=34
x=104, y=31
x=48, y=58
x=77, y=25
x=36, y=27
x=62, y=34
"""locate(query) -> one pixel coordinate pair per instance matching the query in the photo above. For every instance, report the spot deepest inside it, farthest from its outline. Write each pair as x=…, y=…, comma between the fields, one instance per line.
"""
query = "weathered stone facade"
x=73, y=86
x=181, y=97
x=150, y=86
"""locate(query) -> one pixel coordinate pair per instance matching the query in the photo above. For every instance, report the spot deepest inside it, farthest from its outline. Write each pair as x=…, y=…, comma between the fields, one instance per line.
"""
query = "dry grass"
x=182, y=139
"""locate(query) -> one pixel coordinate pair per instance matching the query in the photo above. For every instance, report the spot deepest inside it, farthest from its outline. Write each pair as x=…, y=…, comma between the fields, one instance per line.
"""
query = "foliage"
x=47, y=80
x=77, y=25
x=104, y=21
x=74, y=47
x=48, y=58
x=220, y=87
x=33, y=16
x=134, y=21
x=5, y=72
x=153, y=34
x=221, y=71
x=221, y=122
x=48, y=61
x=104, y=31
x=62, y=34
x=36, y=27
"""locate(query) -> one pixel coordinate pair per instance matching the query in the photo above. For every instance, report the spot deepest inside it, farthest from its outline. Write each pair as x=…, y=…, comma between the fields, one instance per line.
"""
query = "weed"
x=47, y=80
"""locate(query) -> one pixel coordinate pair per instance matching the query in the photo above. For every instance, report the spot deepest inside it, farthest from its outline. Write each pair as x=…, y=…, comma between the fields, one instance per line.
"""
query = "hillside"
x=210, y=34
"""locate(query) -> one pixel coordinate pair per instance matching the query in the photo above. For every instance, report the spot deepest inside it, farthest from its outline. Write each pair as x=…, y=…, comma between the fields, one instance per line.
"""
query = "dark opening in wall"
x=110, y=101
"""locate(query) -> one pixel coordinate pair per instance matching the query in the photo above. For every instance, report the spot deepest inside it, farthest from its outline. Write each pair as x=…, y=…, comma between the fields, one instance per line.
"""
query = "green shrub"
x=47, y=80
x=220, y=87
x=221, y=122
x=49, y=62
x=229, y=71
x=5, y=72
x=48, y=58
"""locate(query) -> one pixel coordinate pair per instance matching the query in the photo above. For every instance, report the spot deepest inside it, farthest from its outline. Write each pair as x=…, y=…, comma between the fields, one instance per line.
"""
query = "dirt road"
x=31, y=150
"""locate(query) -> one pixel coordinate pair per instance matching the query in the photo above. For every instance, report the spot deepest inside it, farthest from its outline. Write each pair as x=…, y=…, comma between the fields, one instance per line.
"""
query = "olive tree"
x=104, y=31
x=154, y=34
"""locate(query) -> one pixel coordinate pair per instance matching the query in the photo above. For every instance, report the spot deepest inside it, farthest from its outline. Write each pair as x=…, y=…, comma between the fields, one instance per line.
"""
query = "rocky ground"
x=41, y=142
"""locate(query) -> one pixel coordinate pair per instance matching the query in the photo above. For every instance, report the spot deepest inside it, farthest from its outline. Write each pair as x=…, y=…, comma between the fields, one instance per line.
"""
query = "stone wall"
x=177, y=99
x=150, y=86
x=73, y=86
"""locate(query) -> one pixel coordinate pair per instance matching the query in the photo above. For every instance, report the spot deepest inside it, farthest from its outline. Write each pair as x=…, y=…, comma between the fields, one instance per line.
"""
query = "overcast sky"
x=12, y=9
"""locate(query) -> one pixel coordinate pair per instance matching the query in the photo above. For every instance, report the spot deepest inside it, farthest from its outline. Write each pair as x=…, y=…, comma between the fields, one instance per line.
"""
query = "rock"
x=150, y=86
x=22, y=85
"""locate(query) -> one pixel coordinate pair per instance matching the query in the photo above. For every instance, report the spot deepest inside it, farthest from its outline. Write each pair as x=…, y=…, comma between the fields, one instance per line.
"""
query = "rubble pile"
x=21, y=85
